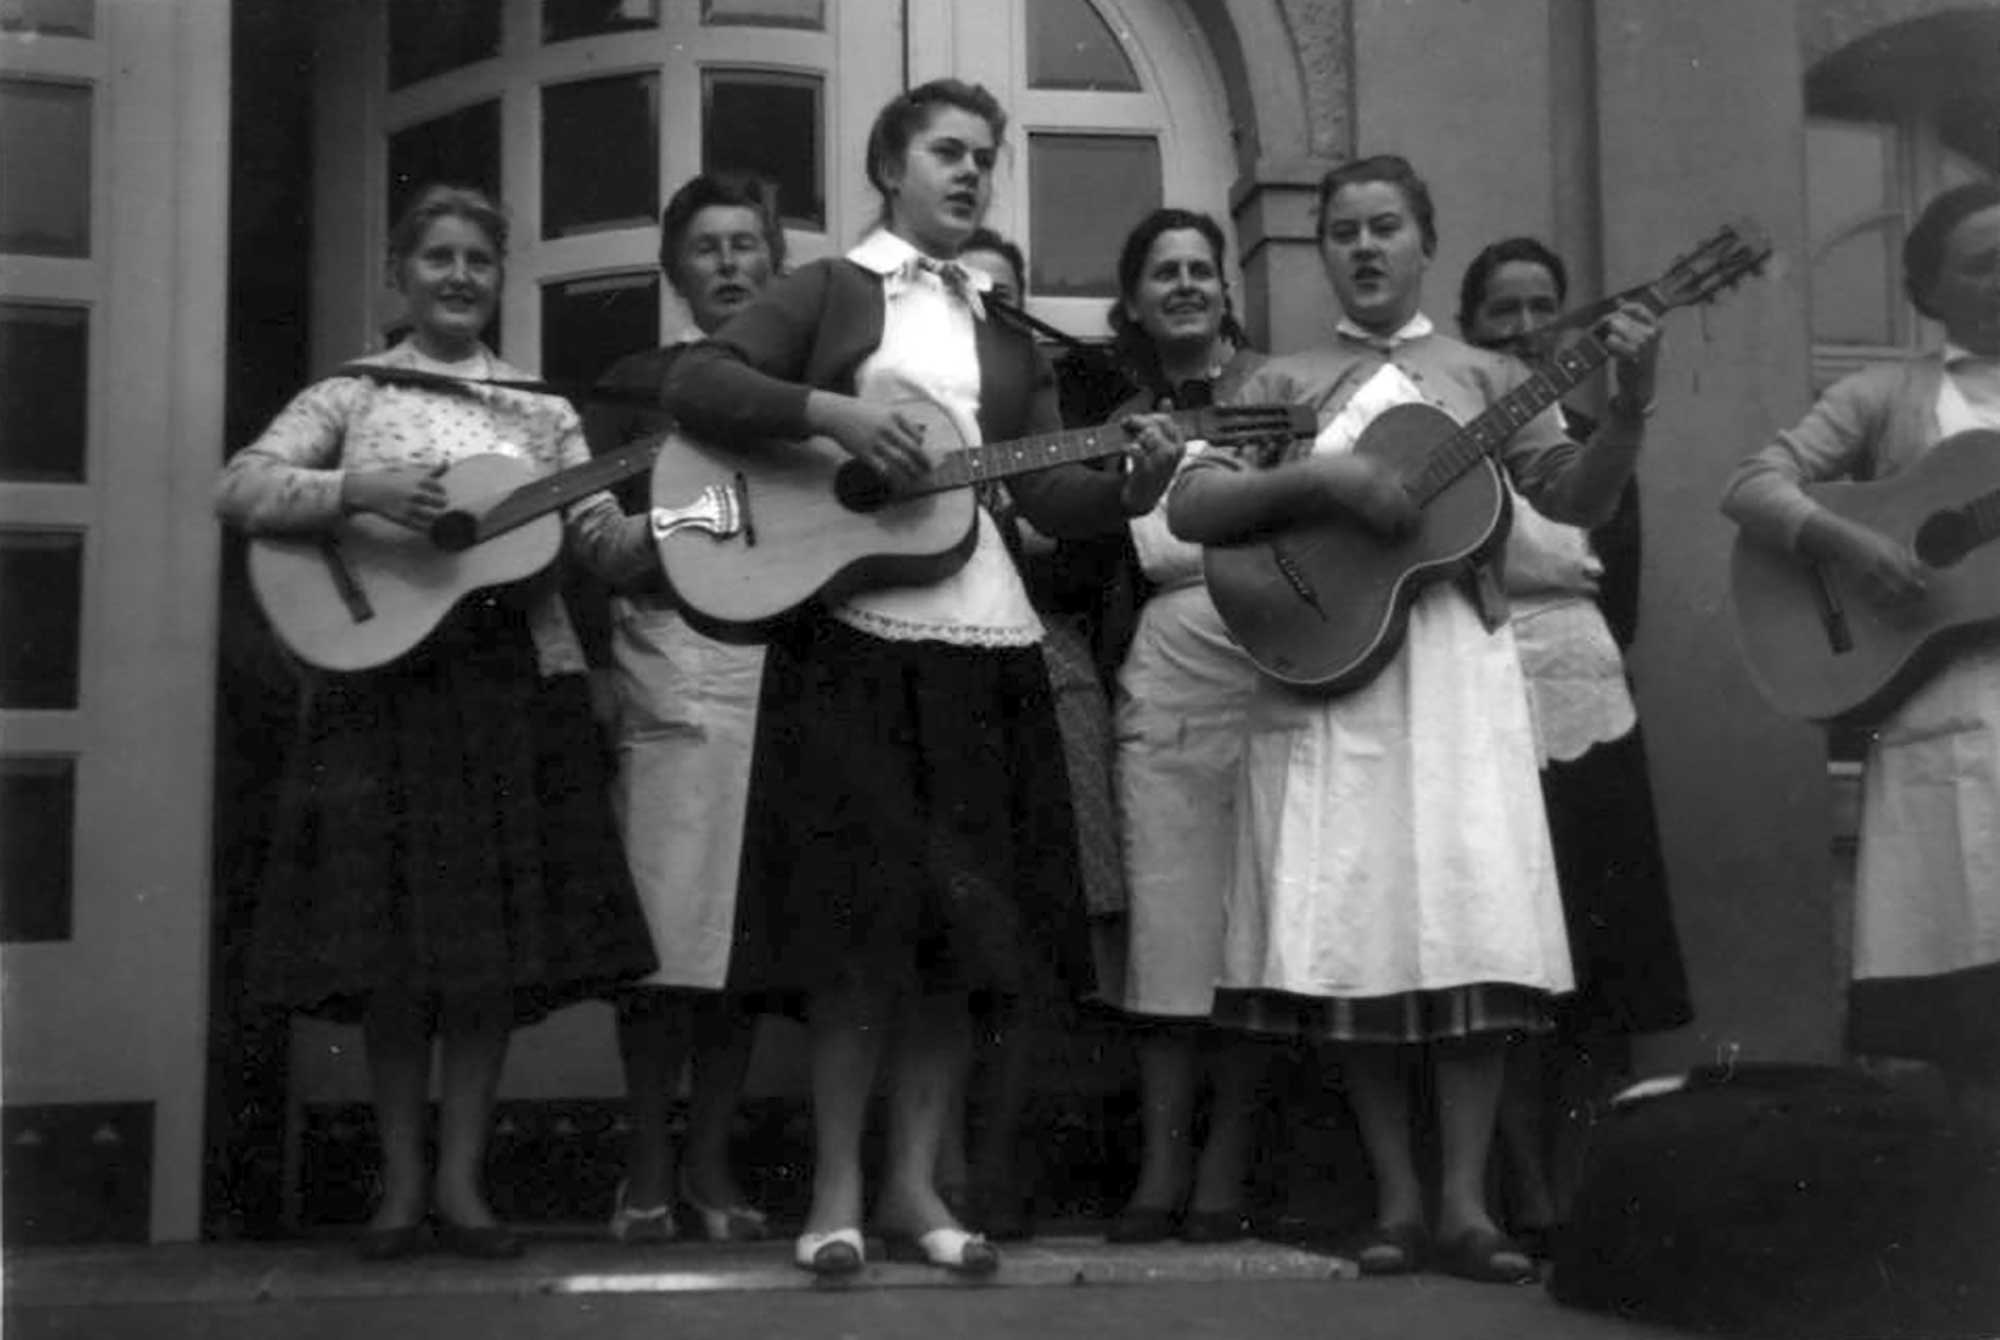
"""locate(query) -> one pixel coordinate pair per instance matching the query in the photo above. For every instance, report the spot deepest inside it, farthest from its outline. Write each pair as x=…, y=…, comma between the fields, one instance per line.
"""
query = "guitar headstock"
x=1249, y=425
x=1721, y=261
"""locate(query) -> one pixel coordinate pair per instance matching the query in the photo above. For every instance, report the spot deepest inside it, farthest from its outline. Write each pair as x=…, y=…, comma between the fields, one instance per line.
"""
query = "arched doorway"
x=582, y=115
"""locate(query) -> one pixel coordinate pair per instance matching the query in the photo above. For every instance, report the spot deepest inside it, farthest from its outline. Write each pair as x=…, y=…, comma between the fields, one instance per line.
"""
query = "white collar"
x=1415, y=328
x=899, y=263
x=1956, y=354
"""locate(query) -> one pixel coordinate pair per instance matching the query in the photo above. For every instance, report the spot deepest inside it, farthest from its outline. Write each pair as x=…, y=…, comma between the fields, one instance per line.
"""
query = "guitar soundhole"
x=1944, y=538
x=861, y=489
x=455, y=531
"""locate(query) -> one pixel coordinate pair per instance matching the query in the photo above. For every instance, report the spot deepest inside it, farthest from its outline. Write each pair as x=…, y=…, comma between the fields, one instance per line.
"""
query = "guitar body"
x=371, y=590
x=798, y=539
x=1831, y=653
x=1324, y=607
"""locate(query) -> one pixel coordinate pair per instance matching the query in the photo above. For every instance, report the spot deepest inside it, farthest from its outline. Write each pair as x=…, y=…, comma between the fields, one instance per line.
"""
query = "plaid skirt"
x=445, y=831
x=909, y=824
x=1407, y=1017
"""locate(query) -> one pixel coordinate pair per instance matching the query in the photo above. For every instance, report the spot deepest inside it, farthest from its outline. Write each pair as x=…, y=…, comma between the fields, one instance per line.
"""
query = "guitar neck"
x=1492, y=430
x=1024, y=455
x=541, y=496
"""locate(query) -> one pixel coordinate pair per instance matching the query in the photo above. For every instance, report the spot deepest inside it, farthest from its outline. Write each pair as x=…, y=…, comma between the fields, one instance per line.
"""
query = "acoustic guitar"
x=371, y=590
x=1817, y=646
x=748, y=534
x=1324, y=606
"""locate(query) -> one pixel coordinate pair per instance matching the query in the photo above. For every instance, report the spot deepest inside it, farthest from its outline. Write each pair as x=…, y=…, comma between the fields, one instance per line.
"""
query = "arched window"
x=1893, y=119
x=583, y=115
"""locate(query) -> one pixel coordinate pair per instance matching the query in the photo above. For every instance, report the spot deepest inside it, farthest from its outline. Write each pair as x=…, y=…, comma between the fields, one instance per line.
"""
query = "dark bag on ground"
x=1780, y=1201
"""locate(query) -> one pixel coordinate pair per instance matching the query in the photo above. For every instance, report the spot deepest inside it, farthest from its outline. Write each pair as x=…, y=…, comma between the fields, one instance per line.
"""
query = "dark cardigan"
x=814, y=328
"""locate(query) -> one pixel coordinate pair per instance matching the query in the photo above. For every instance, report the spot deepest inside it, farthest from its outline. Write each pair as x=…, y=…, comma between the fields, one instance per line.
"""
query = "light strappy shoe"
x=725, y=1223
x=952, y=1249
x=840, y=1252
x=630, y=1224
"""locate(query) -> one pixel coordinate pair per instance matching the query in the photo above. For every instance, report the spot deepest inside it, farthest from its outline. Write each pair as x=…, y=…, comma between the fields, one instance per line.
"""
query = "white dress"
x=1927, y=895
x=1393, y=840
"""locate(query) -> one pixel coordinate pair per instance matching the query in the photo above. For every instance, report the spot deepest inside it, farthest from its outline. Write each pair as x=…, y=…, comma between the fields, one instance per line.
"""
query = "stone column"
x=1700, y=116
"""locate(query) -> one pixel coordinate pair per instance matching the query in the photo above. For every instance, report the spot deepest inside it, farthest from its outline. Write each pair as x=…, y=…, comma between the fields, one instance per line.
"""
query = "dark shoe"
x=1142, y=1223
x=952, y=1249
x=1208, y=1227
x=1539, y=1240
x=492, y=1243
x=394, y=1244
x=1391, y=1249
x=1488, y=1256
x=1002, y=1218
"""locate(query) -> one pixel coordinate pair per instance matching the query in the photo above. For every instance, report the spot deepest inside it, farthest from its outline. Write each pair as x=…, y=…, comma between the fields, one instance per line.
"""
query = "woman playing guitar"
x=1393, y=890
x=1927, y=896
x=445, y=863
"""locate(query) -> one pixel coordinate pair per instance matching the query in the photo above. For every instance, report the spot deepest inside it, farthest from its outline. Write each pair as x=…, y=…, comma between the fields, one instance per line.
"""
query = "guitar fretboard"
x=544, y=495
x=1492, y=430
x=1019, y=456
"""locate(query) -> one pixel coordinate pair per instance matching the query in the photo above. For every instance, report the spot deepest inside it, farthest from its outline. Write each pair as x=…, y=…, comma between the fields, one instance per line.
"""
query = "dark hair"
x=1923, y=249
x=1129, y=340
x=1507, y=251
x=1390, y=170
x=906, y=116
x=985, y=239
x=442, y=202
x=728, y=190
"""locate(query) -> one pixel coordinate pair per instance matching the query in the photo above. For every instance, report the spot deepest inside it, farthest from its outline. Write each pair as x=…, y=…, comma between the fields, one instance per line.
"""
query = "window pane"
x=600, y=154
x=565, y=19
x=44, y=386
x=589, y=324
x=37, y=837
x=428, y=37
x=49, y=18
x=1855, y=298
x=44, y=168
x=766, y=13
x=1075, y=230
x=1070, y=46
x=41, y=607
x=768, y=124
x=1850, y=174
x=461, y=147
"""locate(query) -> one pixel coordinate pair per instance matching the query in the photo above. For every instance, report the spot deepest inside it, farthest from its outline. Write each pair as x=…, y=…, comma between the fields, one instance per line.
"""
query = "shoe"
x=394, y=1244
x=831, y=1255
x=1209, y=1227
x=1488, y=1256
x=1391, y=1249
x=1141, y=1224
x=1000, y=1218
x=1539, y=1240
x=630, y=1223
x=727, y=1223
x=952, y=1249
x=494, y=1242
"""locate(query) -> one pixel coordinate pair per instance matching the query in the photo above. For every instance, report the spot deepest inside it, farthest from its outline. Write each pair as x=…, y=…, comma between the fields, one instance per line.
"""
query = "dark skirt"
x=445, y=831
x=1406, y=1017
x=1951, y=1020
x=1623, y=946
x=909, y=825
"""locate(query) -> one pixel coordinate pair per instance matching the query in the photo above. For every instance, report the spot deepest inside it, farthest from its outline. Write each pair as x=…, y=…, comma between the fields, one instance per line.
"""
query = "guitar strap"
x=577, y=392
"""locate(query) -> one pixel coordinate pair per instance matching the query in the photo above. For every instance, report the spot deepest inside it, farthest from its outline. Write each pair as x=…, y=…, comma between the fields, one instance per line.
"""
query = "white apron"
x=687, y=722
x=1927, y=895
x=1393, y=839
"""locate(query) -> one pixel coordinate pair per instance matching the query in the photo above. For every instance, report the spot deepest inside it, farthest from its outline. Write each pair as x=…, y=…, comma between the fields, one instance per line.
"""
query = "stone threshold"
x=328, y=1269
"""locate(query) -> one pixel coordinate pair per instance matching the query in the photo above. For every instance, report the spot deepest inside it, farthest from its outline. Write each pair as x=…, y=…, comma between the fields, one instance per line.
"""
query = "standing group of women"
x=857, y=821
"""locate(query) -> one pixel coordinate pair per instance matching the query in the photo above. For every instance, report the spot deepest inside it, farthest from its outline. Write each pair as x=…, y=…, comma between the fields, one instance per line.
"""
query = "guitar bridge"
x=718, y=511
